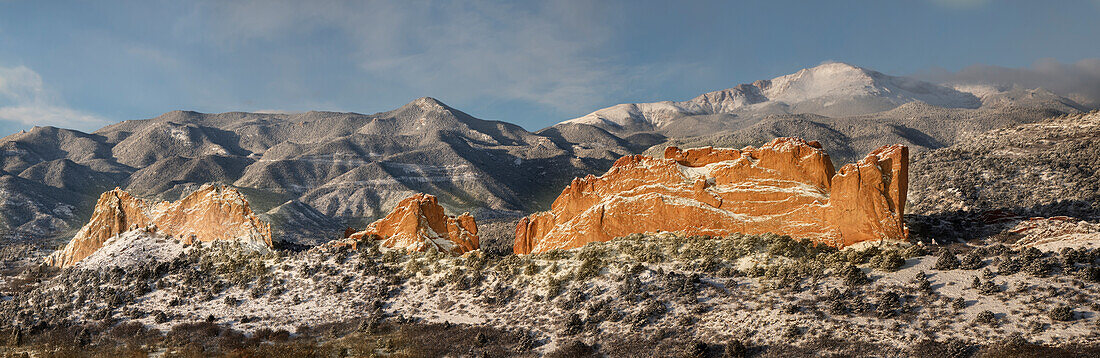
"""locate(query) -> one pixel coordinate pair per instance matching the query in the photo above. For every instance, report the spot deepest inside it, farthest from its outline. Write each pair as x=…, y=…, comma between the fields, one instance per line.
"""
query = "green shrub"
x=1009, y=266
x=914, y=251
x=588, y=268
x=888, y=304
x=922, y=283
x=986, y=317
x=862, y=256
x=1089, y=274
x=1040, y=267
x=889, y=261
x=958, y=304
x=1061, y=313
x=971, y=261
x=853, y=276
x=946, y=261
x=988, y=288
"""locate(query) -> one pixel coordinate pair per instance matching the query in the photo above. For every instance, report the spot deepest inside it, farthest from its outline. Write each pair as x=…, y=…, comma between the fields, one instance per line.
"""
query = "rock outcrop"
x=787, y=187
x=418, y=223
x=1055, y=233
x=211, y=213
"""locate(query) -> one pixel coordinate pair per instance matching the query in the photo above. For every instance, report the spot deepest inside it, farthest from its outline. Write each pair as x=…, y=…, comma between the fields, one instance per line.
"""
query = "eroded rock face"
x=208, y=214
x=787, y=187
x=1055, y=233
x=418, y=223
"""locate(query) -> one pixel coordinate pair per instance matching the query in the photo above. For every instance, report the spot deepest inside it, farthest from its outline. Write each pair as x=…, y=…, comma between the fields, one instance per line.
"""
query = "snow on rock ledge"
x=787, y=187
x=419, y=223
x=1055, y=233
x=211, y=213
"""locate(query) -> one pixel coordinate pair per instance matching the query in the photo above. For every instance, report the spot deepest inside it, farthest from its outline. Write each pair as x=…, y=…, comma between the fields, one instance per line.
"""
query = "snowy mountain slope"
x=832, y=89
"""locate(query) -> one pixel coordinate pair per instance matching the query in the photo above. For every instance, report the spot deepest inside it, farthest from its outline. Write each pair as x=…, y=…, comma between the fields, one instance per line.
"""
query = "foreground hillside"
x=1009, y=184
x=642, y=295
x=1049, y=167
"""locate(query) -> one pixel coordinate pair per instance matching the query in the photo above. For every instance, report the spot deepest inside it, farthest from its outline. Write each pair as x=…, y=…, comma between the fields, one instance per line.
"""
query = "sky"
x=86, y=64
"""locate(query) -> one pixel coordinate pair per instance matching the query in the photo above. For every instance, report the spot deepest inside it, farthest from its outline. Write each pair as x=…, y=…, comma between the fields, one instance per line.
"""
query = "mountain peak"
x=179, y=115
x=837, y=66
x=833, y=89
x=428, y=103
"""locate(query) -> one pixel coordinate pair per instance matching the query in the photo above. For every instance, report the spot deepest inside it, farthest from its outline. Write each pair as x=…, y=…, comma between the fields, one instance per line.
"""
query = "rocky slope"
x=1047, y=168
x=212, y=213
x=788, y=187
x=418, y=223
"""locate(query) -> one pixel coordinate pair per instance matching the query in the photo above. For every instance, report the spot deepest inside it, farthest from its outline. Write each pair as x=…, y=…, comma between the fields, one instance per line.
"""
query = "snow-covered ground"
x=763, y=290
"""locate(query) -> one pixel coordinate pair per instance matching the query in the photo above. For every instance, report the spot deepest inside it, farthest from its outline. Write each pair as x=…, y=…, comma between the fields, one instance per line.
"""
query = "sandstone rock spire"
x=213, y=212
x=419, y=223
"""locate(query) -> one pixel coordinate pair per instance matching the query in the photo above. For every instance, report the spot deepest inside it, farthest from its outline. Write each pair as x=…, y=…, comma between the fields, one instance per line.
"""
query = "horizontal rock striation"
x=419, y=223
x=211, y=213
x=788, y=186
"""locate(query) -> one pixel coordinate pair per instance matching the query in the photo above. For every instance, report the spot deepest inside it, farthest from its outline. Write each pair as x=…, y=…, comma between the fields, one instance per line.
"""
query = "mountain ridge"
x=811, y=90
x=351, y=168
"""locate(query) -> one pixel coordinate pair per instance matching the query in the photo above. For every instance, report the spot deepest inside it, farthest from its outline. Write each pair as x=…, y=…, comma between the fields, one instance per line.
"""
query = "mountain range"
x=313, y=174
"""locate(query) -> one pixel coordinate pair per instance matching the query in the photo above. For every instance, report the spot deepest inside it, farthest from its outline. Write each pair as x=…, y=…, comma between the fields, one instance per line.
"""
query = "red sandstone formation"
x=787, y=187
x=418, y=223
x=210, y=213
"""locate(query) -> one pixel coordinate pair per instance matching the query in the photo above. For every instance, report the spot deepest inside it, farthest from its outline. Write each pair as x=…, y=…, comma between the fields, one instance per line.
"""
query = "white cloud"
x=1079, y=81
x=552, y=53
x=25, y=99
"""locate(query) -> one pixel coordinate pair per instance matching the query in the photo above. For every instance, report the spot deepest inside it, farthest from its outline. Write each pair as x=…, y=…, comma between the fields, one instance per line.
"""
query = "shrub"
x=1009, y=266
x=959, y=303
x=889, y=261
x=736, y=349
x=573, y=349
x=792, y=331
x=888, y=304
x=988, y=288
x=986, y=317
x=853, y=276
x=1061, y=313
x=971, y=261
x=589, y=268
x=922, y=283
x=952, y=348
x=572, y=324
x=1040, y=267
x=160, y=317
x=836, y=304
x=526, y=342
x=530, y=269
x=1090, y=274
x=946, y=261
x=914, y=251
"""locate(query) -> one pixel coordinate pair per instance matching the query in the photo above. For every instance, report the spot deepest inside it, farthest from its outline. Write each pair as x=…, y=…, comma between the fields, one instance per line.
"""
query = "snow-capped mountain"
x=832, y=89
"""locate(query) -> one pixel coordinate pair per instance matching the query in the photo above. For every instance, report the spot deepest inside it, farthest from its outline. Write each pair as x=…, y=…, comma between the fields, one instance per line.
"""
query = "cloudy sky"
x=84, y=64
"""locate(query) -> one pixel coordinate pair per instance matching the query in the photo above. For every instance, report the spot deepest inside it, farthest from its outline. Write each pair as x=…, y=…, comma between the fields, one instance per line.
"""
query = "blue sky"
x=84, y=64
